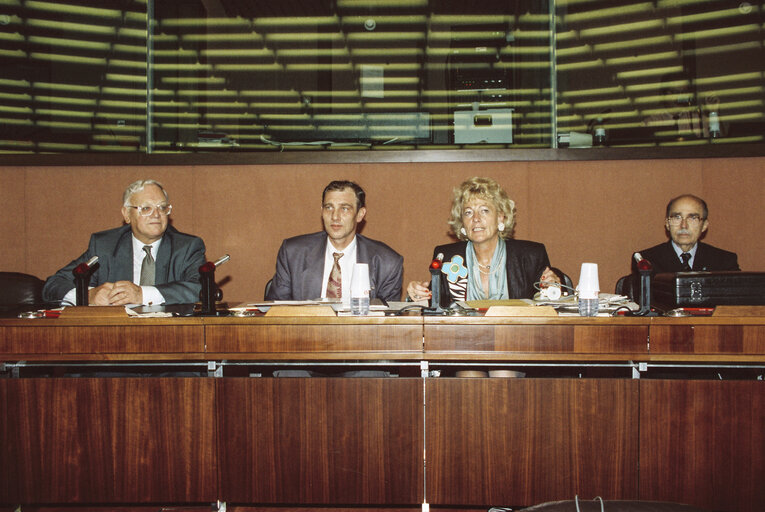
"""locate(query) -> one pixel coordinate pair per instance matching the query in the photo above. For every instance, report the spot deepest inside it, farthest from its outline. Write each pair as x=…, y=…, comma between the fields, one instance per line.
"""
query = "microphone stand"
x=644, y=269
x=435, y=289
x=210, y=292
x=82, y=273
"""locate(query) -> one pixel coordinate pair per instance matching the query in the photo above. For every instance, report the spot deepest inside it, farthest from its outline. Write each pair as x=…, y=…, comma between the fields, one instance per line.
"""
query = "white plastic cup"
x=588, y=289
x=360, y=289
x=589, y=286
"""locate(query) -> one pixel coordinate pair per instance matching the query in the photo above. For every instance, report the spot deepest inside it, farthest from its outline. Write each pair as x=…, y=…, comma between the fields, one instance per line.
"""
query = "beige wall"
x=598, y=211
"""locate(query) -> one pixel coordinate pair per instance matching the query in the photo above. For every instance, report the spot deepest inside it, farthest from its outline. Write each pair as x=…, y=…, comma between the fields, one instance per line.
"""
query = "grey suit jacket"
x=177, y=265
x=300, y=268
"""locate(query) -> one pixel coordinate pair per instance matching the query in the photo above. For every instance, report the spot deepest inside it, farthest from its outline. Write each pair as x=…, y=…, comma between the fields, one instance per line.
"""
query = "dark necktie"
x=335, y=283
x=686, y=257
x=147, y=268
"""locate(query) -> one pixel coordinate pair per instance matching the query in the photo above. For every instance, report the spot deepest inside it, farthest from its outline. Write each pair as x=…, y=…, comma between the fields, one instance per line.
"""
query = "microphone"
x=644, y=269
x=210, y=266
x=85, y=267
x=210, y=292
x=82, y=274
x=435, y=285
x=223, y=259
x=642, y=263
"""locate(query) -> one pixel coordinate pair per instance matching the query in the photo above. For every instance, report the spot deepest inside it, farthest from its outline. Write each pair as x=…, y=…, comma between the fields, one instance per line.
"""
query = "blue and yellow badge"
x=455, y=269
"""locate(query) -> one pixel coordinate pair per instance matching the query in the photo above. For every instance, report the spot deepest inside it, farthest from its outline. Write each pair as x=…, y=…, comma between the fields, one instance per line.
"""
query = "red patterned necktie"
x=335, y=283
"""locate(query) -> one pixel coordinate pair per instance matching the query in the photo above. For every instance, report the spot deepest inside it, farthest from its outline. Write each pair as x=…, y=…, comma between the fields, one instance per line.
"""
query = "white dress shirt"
x=151, y=295
x=679, y=251
x=347, y=262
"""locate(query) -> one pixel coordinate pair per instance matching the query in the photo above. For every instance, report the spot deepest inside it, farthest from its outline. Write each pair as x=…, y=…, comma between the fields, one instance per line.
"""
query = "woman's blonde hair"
x=488, y=190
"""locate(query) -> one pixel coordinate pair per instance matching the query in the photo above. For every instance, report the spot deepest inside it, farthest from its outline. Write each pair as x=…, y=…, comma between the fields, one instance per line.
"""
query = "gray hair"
x=138, y=186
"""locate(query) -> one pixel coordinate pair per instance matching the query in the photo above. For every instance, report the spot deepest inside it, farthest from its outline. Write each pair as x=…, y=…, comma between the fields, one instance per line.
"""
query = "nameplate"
x=317, y=310
x=94, y=312
x=521, y=311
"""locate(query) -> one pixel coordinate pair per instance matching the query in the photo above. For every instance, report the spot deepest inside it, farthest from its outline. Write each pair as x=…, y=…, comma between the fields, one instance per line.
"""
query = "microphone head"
x=642, y=263
x=223, y=259
x=436, y=263
x=85, y=267
x=207, y=268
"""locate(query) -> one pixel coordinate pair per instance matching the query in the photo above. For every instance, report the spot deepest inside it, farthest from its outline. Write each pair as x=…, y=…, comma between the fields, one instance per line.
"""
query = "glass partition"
x=161, y=76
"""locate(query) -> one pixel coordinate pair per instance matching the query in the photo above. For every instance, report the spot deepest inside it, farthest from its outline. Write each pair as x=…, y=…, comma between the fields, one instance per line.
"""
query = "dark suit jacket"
x=525, y=263
x=300, y=268
x=664, y=259
x=177, y=265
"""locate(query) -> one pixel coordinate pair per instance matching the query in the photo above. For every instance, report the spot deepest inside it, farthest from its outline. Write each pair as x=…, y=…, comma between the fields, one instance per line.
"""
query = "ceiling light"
x=717, y=32
x=78, y=10
x=609, y=12
x=639, y=73
x=622, y=28
x=62, y=26
x=380, y=4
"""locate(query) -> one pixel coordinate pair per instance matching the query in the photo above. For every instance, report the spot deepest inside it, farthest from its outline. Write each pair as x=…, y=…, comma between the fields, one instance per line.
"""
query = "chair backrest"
x=18, y=289
x=625, y=285
x=268, y=288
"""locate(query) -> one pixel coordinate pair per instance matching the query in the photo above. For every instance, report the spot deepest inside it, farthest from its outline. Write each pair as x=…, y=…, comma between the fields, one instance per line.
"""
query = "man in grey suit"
x=319, y=264
x=146, y=261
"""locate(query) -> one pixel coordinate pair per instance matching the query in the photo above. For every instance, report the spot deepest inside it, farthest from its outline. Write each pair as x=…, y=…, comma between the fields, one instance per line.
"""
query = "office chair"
x=20, y=291
x=626, y=285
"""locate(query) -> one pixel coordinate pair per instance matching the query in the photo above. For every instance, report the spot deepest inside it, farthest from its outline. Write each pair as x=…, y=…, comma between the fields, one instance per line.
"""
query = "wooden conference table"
x=108, y=411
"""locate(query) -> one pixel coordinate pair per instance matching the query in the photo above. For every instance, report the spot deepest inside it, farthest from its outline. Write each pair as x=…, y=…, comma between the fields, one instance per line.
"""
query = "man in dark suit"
x=686, y=221
x=320, y=264
x=146, y=261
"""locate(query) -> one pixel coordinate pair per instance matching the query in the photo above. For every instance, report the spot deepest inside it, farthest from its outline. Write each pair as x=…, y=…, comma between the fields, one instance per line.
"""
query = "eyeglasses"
x=693, y=219
x=148, y=210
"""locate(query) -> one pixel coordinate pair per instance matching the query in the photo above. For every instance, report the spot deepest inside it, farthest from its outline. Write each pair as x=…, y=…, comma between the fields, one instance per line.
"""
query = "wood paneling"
x=525, y=441
x=246, y=209
x=321, y=440
x=334, y=335
x=107, y=440
x=703, y=443
x=708, y=339
x=51, y=337
x=545, y=338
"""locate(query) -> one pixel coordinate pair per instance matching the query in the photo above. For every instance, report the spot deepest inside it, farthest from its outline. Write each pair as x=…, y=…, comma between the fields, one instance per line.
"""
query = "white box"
x=483, y=126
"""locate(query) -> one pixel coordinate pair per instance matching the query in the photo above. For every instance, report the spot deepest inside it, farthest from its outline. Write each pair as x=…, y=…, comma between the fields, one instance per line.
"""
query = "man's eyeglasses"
x=148, y=210
x=693, y=219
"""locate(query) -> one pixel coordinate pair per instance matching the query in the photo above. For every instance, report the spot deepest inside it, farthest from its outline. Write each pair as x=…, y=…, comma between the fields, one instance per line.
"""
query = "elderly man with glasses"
x=686, y=221
x=146, y=261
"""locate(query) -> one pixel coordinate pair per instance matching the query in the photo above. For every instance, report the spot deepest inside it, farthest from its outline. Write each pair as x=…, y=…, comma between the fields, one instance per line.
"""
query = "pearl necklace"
x=488, y=270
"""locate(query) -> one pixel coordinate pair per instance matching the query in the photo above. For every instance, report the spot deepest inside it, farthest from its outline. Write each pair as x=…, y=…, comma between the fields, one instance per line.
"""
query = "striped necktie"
x=335, y=283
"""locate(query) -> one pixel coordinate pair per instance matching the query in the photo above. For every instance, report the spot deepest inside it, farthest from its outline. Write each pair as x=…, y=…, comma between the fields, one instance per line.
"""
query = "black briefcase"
x=696, y=289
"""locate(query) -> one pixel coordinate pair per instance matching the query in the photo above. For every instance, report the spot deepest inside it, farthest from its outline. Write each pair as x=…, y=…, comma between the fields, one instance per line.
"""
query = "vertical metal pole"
x=149, y=72
x=553, y=77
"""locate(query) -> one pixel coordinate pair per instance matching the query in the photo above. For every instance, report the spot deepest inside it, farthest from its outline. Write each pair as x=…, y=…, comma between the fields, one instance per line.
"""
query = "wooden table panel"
x=708, y=339
x=50, y=337
x=107, y=440
x=541, y=338
x=321, y=440
x=274, y=338
x=703, y=443
x=519, y=442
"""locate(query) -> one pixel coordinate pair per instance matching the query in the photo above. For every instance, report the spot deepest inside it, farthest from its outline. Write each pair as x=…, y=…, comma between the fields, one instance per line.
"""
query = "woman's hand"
x=548, y=277
x=418, y=290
